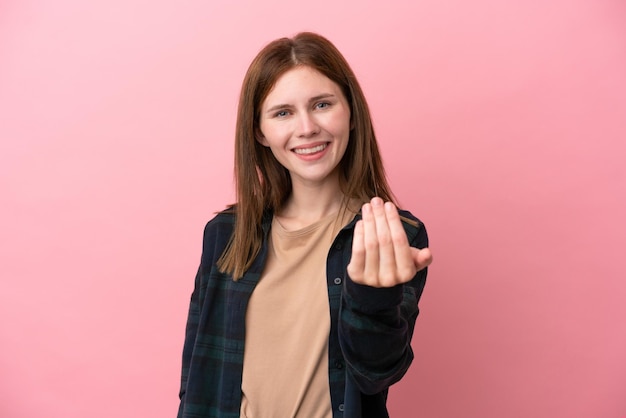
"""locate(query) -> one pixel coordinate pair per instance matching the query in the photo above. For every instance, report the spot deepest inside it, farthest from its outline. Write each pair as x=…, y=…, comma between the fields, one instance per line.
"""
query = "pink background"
x=502, y=124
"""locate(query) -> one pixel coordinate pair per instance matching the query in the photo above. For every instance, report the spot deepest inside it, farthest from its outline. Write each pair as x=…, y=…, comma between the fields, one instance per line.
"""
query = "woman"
x=306, y=296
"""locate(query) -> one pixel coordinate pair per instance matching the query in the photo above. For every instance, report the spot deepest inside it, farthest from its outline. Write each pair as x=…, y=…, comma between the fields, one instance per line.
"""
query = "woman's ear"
x=258, y=135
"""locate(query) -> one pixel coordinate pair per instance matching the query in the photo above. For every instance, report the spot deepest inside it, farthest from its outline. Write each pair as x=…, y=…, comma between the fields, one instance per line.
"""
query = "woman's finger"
x=405, y=267
x=387, y=271
x=357, y=261
x=421, y=258
x=370, y=239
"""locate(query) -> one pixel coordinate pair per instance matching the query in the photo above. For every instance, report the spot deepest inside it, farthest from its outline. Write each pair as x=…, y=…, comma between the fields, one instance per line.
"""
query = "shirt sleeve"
x=376, y=326
x=193, y=318
x=195, y=307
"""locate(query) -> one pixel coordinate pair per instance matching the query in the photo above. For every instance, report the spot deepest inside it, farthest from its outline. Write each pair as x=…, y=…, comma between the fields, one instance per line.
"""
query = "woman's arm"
x=379, y=304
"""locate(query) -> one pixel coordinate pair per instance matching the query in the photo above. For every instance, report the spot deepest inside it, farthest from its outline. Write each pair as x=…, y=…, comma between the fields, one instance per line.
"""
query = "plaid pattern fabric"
x=369, y=344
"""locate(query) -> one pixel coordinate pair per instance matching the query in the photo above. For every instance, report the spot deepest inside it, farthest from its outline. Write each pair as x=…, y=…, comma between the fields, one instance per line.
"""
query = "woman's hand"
x=381, y=255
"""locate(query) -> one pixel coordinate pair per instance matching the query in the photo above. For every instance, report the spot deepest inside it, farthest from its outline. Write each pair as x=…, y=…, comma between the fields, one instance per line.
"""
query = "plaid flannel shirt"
x=369, y=343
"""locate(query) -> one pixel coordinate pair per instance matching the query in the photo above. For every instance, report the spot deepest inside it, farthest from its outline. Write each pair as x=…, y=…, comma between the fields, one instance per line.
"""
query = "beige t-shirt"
x=285, y=368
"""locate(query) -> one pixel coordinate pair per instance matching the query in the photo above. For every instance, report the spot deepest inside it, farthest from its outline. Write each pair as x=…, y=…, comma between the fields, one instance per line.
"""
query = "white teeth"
x=304, y=151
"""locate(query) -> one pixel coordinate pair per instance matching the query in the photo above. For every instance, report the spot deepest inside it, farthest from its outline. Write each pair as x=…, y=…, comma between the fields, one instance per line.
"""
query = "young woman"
x=306, y=297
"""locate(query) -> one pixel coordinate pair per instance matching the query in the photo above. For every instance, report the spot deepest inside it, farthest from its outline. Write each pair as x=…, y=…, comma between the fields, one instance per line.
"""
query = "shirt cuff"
x=370, y=299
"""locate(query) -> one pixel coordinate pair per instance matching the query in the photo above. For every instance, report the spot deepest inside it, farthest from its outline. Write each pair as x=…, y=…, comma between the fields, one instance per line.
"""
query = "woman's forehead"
x=300, y=83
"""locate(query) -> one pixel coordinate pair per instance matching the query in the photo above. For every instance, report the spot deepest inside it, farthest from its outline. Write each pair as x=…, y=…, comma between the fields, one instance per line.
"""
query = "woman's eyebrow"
x=321, y=96
x=312, y=99
x=277, y=107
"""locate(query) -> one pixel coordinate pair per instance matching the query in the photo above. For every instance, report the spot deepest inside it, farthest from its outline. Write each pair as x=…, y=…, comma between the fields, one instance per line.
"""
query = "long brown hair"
x=262, y=183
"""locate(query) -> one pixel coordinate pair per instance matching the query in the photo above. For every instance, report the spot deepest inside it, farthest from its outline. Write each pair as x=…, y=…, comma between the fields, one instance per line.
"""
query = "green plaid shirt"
x=370, y=336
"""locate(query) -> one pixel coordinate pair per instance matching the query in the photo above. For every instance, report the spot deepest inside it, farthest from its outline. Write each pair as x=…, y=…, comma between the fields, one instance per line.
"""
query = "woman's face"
x=305, y=121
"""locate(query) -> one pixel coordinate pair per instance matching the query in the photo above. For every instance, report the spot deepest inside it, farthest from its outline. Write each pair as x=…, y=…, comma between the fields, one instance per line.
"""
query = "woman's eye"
x=322, y=105
x=281, y=114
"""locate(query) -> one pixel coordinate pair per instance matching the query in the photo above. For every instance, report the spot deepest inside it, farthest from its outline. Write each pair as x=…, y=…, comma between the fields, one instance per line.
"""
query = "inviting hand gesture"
x=381, y=255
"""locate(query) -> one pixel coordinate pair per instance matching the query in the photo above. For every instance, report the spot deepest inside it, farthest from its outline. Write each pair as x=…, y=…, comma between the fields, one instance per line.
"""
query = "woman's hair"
x=262, y=183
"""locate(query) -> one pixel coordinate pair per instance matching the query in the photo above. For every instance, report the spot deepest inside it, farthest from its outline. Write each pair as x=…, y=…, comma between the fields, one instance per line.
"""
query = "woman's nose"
x=307, y=125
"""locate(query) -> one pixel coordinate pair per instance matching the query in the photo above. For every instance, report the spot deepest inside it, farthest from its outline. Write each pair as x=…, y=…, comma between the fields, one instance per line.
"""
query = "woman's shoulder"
x=414, y=227
x=225, y=215
x=218, y=229
x=223, y=221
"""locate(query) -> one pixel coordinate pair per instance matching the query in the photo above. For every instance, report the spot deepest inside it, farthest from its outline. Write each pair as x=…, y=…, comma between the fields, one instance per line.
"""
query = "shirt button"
x=338, y=246
x=339, y=365
x=337, y=280
x=341, y=407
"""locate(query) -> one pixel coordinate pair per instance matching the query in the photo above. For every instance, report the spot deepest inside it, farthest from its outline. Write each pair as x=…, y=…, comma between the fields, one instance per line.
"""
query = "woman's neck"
x=308, y=204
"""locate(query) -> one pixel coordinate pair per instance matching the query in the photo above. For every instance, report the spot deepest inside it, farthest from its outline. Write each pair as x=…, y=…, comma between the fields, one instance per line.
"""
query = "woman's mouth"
x=311, y=150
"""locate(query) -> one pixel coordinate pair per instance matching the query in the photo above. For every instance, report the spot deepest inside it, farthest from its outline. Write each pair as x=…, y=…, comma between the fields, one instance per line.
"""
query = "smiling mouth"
x=312, y=150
